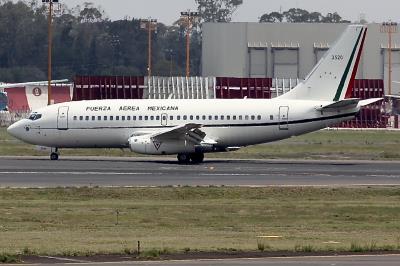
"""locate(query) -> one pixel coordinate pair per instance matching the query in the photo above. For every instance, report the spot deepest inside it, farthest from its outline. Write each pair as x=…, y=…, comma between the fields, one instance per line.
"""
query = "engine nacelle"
x=147, y=145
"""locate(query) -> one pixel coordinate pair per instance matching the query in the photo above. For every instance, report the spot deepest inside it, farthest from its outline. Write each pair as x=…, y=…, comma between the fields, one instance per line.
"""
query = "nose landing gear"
x=54, y=154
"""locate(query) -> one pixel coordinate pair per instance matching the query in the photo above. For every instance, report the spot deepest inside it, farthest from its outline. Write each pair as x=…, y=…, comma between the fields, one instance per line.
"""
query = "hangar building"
x=289, y=50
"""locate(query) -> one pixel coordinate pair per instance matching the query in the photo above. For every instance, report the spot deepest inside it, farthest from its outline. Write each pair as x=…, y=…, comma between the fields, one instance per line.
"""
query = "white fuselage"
x=230, y=123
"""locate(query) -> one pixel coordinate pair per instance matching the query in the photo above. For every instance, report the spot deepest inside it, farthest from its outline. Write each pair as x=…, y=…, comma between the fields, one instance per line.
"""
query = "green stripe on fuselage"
x=346, y=72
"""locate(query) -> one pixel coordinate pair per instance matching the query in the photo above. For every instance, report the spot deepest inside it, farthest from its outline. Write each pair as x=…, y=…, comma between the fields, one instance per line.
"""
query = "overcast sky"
x=167, y=11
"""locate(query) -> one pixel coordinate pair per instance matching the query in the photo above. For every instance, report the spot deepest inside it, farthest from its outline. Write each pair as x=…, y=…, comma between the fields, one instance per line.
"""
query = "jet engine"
x=152, y=146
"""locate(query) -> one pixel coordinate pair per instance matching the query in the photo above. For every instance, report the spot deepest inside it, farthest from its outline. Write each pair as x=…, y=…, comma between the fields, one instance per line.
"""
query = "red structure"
x=131, y=87
x=239, y=88
x=108, y=87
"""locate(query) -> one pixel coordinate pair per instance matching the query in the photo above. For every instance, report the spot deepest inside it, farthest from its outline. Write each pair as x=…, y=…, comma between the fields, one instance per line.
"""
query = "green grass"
x=76, y=221
x=371, y=145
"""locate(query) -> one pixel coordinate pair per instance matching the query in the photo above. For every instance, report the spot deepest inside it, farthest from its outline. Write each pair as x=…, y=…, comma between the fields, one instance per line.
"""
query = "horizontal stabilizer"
x=343, y=104
x=369, y=101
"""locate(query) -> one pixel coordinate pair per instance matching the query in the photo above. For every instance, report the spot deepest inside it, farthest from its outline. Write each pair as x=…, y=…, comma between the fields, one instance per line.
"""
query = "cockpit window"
x=35, y=116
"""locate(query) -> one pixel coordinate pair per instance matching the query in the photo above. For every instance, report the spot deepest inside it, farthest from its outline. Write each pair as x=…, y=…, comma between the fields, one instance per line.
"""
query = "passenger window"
x=185, y=117
x=111, y=118
x=204, y=117
x=240, y=117
x=140, y=118
x=259, y=117
x=216, y=117
x=93, y=118
x=81, y=118
x=99, y=118
x=75, y=118
x=246, y=117
x=123, y=118
x=117, y=117
x=271, y=117
x=178, y=117
x=197, y=117
x=228, y=117
x=253, y=117
x=87, y=118
x=134, y=118
x=158, y=118
x=234, y=117
x=222, y=117
x=191, y=117
x=128, y=118
x=105, y=118
x=210, y=117
x=151, y=118
x=171, y=117
x=146, y=118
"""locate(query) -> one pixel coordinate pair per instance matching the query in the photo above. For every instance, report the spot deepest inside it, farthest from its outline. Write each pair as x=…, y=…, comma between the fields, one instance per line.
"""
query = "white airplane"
x=190, y=128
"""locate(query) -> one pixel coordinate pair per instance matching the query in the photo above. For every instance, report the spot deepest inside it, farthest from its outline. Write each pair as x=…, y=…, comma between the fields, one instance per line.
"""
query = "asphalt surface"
x=381, y=260
x=73, y=171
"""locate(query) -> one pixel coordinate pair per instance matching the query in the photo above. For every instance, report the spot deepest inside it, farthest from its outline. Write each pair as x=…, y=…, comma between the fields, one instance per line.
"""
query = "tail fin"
x=332, y=78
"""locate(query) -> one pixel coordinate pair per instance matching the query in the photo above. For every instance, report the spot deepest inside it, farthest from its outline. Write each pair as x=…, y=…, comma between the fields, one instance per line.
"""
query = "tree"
x=272, y=17
x=297, y=15
x=217, y=10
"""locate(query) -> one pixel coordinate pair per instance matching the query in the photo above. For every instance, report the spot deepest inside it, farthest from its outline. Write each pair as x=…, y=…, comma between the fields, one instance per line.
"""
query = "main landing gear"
x=54, y=154
x=187, y=158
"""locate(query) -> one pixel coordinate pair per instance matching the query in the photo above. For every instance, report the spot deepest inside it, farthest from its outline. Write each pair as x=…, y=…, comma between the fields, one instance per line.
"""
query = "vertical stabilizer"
x=333, y=77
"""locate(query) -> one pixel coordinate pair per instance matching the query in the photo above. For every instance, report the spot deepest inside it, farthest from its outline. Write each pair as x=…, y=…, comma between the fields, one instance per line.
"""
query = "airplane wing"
x=190, y=132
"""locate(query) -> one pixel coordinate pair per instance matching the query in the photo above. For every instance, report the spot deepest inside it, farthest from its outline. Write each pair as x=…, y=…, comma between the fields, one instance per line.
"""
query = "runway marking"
x=65, y=259
x=80, y=173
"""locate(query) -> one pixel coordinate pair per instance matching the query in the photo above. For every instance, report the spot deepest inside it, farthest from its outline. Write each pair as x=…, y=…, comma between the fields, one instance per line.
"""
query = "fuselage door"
x=62, y=118
x=164, y=119
x=283, y=117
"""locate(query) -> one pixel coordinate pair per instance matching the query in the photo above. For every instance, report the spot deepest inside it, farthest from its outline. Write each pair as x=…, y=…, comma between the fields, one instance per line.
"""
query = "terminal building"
x=290, y=50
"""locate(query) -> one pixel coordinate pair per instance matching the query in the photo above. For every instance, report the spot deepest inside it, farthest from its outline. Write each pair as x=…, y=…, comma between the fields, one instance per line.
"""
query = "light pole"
x=389, y=28
x=189, y=18
x=49, y=49
x=149, y=25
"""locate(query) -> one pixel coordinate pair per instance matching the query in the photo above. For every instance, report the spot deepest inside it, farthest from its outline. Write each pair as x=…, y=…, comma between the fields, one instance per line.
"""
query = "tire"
x=183, y=158
x=54, y=156
x=197, y=158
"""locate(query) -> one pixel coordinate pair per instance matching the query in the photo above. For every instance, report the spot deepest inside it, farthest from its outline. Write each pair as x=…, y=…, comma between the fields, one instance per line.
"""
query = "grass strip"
x=85, y=221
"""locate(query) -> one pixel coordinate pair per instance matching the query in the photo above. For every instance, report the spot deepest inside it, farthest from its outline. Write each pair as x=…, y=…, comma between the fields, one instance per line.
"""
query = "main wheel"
x=183, y=158
x=197, y=157
x=54, y=156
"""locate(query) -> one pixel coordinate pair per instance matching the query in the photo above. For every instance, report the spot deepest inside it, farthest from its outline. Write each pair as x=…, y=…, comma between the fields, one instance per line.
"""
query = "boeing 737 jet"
x=191, y=128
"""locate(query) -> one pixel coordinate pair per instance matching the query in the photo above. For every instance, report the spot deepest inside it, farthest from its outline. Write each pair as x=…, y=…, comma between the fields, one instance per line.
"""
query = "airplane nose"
x=14, y=130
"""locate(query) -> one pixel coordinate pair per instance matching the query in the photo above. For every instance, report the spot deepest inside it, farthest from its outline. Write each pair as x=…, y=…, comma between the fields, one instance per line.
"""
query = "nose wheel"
x=54, y=155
